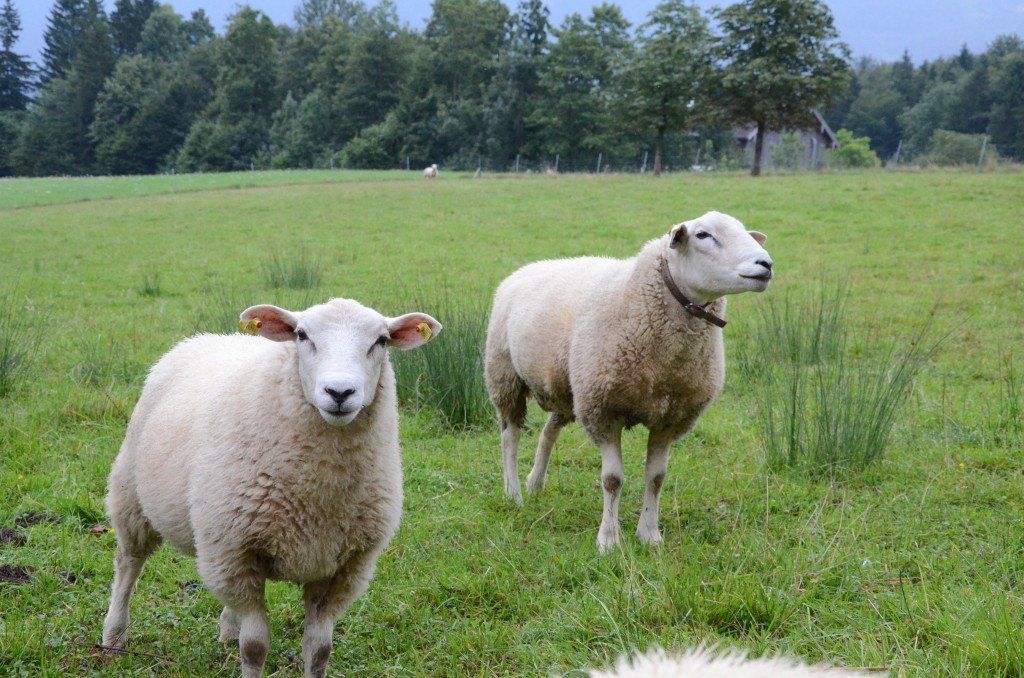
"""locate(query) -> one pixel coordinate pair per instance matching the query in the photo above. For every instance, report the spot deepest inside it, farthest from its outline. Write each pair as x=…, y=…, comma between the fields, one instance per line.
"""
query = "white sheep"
x=430, y=172
x=619, y=342
x=267, y=460
x=705, y=663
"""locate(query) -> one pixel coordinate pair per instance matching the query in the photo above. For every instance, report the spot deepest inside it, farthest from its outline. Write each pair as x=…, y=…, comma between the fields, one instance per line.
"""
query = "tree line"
x=147, y=90
x=905, y=109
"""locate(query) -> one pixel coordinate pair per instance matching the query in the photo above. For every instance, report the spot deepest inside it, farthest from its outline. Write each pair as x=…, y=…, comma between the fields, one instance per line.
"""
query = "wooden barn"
x=817, y=137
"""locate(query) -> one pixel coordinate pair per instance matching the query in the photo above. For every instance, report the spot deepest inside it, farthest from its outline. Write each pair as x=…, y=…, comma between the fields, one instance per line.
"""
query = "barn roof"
x=747, y=133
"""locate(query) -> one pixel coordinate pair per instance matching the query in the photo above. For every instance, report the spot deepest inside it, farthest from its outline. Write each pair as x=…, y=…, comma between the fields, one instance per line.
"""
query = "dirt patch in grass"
x=10, y=536
x=30, y=518
x=15, y=574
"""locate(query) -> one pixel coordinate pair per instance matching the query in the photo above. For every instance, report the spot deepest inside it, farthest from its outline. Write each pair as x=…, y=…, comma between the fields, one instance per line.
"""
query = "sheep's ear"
x=677, y=236
x=268, y=321
x=758, y=236
x=412, y=330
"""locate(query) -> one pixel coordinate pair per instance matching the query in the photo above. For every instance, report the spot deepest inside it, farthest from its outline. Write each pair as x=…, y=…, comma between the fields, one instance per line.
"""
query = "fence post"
x=407, y=163
x=981, y=156
x=896, y=155
x=517, y=163
x=643, y=166
x=332, y=163
x=599, y=156
x=556, y=163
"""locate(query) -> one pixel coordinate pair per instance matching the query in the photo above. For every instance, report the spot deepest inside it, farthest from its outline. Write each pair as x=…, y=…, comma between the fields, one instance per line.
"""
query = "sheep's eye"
x=381, y=340
x=301, y=334
x=702, y=235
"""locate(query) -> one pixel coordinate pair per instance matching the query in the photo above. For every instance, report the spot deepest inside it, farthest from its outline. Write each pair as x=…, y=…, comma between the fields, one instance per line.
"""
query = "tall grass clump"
x=219, y=307
x=446, y=376
x=819, y=410
x=149, y=284
x=1006, y=419
x=13, y=344
x=796, y=331
x=293, y=269
x=102, y=362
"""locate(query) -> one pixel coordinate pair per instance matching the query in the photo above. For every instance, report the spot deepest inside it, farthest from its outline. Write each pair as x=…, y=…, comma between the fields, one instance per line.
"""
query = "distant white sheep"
x=267, y=460
x=619, y=342
x=430, y=172
x=704, y=663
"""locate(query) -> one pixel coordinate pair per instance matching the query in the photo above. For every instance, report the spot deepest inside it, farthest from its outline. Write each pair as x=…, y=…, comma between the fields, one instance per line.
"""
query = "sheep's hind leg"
x=657, y=462
x=510, y=433
x=127, y=567
x=609, y=535
x=554, y=426
x=136, y=541
x=508, y=394
x=325, y=601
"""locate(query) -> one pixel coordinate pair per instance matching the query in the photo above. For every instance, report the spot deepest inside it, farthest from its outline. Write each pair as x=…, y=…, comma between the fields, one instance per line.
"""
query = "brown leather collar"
x=693, y=309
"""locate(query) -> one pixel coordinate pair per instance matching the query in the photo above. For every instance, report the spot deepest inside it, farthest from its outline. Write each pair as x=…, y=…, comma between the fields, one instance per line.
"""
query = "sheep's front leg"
x=609, y=535
x=657, y=462
x=253, y=639
x=535, y=481
x=325, y=601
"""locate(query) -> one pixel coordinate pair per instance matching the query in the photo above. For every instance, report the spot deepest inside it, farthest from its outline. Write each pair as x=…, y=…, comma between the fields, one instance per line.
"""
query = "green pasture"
x=912, y=565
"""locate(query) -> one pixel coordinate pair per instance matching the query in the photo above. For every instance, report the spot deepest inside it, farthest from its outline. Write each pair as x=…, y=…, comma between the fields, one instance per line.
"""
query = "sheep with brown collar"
x=619, y=342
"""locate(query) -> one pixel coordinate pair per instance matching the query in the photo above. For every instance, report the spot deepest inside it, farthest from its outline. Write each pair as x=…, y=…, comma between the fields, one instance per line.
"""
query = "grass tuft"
x=219, y=306
x=13, y=348
x=797, y=331
x=445, y=377
x=102, y=362
x=1006, y=425
x=820, y=410
x=297, y=270
x=149, y=284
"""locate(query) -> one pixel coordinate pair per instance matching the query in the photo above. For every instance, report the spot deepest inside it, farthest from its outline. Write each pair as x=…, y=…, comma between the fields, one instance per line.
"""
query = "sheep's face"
x=715, y=255
x=341, y=347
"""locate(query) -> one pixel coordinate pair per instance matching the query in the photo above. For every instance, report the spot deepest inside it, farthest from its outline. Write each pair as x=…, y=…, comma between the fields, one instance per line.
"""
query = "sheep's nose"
x=764, y=262
x=339, y=396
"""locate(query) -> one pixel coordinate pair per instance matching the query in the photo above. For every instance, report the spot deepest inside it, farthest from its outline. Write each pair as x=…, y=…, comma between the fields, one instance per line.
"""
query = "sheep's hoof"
x=649, y=536
x=534, y=485
x=115, y=639
x=608, y=539
x=513, y=492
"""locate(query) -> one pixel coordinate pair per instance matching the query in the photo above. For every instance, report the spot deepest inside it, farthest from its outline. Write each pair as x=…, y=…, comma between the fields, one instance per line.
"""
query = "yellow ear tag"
x=252, y=326
x=424, y=329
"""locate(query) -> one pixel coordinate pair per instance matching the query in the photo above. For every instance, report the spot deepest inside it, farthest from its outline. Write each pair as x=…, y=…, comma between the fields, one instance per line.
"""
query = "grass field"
x=58, y=190
x=914, y=564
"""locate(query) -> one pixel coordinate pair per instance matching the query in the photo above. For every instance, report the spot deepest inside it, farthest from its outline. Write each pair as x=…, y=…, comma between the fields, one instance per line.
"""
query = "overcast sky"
x=878, y=28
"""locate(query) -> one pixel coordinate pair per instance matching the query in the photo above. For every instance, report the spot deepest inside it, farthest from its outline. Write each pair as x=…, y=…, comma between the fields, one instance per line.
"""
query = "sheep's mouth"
x=764, y=277
x=338, y=417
